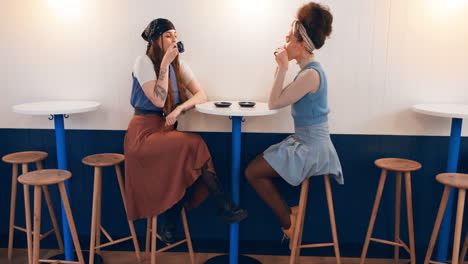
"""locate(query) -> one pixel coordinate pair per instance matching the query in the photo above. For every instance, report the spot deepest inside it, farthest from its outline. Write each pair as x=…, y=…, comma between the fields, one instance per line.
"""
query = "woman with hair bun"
x=309, y=151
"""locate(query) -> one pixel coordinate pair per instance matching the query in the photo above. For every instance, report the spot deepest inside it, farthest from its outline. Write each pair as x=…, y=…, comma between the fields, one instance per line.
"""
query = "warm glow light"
x=456, y=3
x=66, y=7
x=251, y=7
x=64, y=3
x=447, y=7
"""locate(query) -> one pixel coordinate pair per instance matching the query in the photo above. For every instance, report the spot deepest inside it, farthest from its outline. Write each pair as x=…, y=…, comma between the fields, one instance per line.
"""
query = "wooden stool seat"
x=460, y=182
x=98, y=161
x=44, y=177
x=40, y=180
x=296, y=240
x=103, y=160
x=152, y=236
x=400, y=167
x=395, y=164
x=23, y=160
x=25, y=157
x=457, y=180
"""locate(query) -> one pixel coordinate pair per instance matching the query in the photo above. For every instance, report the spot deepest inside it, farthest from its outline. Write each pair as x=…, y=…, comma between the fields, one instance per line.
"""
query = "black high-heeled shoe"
x=228, y=211
x=168, y=232
x=231, y=212
x=170, y=221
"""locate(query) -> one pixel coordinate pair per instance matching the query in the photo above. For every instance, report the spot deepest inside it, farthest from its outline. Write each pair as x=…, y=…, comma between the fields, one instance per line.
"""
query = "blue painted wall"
x=260, y=233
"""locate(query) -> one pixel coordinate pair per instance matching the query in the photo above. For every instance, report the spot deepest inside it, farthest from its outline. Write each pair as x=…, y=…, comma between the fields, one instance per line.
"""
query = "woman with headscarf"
x=162, y=162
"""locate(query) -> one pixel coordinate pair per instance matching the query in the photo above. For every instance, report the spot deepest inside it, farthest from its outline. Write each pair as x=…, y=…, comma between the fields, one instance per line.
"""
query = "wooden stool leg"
x=465, y=248
x=331, y=211
x=130, y=223
x=300, y=220
x=458, y=225
x=296, y=239
x=409, y=210
x=24, y=169
x=27, y=213
x=37, y=224
x=39, y=165
x=50, y=206
x=187, y=236
x=438, y=221
x=71, y=222
x=99, y=212
x=154, y=232
x=148, y=238
x=11, y=230
x=95, y=228
x=378, y=196
x=396, y=254
x=300, y=225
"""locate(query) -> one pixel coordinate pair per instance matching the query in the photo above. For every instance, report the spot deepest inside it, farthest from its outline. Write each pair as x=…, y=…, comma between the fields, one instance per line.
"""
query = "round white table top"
x=56, y=107
x=260, y=109
x=443, y=110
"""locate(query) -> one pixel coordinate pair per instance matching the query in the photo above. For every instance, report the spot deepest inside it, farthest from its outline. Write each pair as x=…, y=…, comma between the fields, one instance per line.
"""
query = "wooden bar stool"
x=98, y=161
x=39, y=179
x=24, y=159
x=296, y=243
x=151, y=233
x=399, y=166
x=450, y=180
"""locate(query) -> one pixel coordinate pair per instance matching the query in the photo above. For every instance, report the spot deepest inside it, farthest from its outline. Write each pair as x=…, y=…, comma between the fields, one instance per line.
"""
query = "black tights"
x=172, y=215
x=260, y=174
x=214, y=186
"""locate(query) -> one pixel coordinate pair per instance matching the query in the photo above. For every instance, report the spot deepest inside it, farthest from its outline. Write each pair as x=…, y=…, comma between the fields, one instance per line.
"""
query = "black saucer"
x=247, y=104
x=222, y=104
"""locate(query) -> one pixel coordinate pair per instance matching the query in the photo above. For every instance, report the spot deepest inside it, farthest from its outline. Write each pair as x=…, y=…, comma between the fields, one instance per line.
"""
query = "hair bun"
x=317, y=21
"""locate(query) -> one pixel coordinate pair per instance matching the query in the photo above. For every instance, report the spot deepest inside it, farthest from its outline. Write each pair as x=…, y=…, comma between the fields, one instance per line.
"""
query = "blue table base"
x=62, y=164
x=97, y=258
x=224, y=259
x=233, y=257
x=235, y=173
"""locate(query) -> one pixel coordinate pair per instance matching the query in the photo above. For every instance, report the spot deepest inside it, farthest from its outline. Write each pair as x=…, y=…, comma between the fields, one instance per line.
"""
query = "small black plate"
x=247, y=104
x=222, y=104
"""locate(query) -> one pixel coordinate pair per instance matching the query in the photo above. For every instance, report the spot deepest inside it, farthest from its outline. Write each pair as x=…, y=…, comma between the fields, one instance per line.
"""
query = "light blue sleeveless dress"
x=309, y=151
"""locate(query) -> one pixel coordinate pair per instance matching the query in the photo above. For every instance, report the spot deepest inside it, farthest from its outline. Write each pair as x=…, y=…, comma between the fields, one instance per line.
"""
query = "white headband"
x=297, y=26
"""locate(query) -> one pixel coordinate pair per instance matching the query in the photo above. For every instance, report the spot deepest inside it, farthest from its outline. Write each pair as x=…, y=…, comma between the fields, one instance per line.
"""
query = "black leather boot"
x=228, y=211
x=171, y=219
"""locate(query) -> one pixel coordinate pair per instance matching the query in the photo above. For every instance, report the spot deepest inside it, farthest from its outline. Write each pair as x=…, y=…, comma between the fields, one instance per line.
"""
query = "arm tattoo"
x=162, y=74
x=160, y=92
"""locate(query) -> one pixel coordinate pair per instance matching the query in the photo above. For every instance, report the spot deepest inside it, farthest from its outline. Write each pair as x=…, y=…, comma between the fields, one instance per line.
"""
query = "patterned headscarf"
x=299, y=28
x=156, y=28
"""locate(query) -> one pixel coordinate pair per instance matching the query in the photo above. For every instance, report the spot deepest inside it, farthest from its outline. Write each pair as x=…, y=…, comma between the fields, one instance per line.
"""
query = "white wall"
x=383, y=57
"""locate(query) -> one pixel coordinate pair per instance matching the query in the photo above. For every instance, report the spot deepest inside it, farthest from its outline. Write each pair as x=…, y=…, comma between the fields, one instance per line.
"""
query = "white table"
x=236, y=114
x=58, y=110
x=456, y=112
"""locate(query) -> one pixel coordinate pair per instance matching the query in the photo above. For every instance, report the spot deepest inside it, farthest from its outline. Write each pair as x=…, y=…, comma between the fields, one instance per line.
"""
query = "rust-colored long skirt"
x=160, y=164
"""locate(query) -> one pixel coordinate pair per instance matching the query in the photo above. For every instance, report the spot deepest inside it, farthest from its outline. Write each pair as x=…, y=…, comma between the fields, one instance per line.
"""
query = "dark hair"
x=317, y=20
x=156, y=55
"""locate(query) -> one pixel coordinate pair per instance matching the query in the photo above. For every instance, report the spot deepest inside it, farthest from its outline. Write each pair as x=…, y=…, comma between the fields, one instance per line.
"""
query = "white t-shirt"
x=143, y=70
